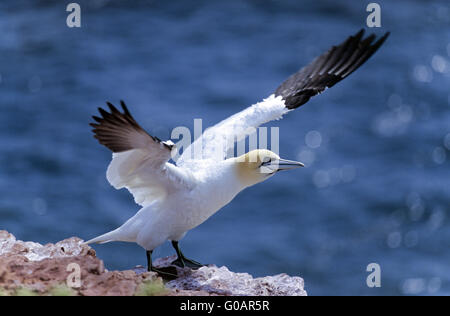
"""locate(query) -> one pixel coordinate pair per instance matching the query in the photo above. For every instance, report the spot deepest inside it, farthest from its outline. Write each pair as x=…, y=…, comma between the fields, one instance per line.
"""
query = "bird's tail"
x=115, y=235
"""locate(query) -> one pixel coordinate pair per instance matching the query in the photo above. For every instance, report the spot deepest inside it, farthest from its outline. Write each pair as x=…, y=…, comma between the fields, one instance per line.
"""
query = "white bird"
x=175, y=198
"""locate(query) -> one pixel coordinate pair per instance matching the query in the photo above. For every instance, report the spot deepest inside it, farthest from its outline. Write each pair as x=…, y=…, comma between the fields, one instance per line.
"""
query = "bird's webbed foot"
x=185, y=262
x=182, y=261
x=167, y=273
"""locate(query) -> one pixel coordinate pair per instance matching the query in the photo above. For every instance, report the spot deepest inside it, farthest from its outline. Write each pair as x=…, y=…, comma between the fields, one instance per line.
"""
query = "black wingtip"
x=124, y=107
x=329, y=68
x=113, y=129
x=103, y=113
x=112, y=108
x=383, y=38
x=97, y=119
x=360, y=33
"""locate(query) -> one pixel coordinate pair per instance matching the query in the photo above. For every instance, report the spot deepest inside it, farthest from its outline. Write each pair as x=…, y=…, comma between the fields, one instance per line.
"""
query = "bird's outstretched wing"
x=328, y=69
x=322, y=73
x=140, y=161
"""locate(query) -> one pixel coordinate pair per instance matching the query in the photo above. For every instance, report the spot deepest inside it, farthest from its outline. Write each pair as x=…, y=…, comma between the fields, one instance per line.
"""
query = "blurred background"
x=377, y=145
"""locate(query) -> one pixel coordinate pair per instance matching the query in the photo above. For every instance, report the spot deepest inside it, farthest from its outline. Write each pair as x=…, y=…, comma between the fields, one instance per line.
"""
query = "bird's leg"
x=149, y=260
x=182, y=261
x=151, y=268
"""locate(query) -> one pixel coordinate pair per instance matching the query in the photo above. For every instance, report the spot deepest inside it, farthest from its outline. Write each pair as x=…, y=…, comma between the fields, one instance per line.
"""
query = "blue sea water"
x=377, y=145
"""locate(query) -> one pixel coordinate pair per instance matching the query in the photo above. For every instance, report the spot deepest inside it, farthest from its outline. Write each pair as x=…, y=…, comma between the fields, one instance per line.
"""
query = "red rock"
x=41, y=268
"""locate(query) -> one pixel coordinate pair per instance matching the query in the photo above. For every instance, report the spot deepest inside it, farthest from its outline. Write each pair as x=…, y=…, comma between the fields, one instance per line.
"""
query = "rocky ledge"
x=71, y=268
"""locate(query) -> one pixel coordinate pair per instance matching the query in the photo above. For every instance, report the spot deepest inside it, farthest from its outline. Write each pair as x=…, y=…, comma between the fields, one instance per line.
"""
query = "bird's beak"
x=280, y=164
x=284, y=164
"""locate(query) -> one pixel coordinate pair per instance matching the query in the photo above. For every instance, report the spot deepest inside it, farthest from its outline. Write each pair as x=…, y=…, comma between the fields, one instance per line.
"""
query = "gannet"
x=176, y=197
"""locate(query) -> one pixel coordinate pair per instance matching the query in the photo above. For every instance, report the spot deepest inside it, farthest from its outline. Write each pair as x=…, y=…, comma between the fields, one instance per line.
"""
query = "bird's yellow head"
x=260, y=164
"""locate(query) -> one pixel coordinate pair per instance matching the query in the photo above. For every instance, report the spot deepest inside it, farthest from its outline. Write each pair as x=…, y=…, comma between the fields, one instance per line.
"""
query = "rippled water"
x=377, y=146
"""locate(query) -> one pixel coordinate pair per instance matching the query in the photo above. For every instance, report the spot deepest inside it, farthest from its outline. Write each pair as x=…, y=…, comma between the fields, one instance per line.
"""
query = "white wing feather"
x=219, y=139
x=147, y=179
x=140, y=161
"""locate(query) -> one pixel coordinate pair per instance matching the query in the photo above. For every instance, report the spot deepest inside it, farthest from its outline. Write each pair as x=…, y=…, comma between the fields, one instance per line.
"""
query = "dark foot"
x=184, y=262
x=167, y=273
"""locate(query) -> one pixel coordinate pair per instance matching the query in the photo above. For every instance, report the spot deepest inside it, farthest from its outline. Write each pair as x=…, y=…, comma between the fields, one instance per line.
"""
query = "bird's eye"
x=266, y=162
